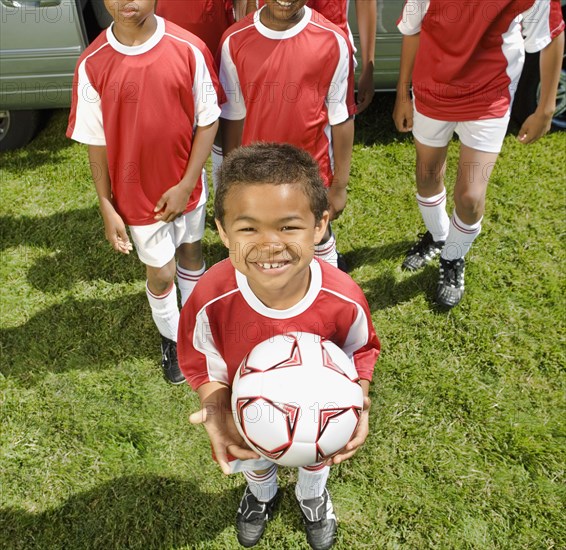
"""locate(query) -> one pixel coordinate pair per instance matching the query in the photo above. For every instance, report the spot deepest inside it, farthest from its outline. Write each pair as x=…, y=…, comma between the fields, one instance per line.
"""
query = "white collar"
x=302, y=305
x=281, y=35
x=150, y=43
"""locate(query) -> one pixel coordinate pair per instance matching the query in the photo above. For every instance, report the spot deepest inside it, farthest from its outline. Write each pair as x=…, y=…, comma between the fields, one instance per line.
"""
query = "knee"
x=470, y=203
x=159, y=280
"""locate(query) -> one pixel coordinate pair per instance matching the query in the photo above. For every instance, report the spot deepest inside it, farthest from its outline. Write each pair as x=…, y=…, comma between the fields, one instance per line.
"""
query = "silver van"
x=41, y=40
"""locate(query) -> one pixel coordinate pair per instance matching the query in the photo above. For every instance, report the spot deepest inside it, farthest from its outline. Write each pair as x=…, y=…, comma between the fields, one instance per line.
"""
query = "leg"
x=316, y=505
x=474, y=171
x=257, y=505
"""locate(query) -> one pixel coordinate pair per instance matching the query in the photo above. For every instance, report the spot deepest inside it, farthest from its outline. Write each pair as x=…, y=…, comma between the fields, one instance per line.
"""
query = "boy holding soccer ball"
x=271, y=210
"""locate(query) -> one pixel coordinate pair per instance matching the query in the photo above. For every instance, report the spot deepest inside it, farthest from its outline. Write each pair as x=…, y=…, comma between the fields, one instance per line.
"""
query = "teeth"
x=285, y=4
x=271, y=265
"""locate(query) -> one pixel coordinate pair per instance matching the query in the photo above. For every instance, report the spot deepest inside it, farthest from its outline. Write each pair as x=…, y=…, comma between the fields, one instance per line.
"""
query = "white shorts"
x=484, y=135
x=156, y=243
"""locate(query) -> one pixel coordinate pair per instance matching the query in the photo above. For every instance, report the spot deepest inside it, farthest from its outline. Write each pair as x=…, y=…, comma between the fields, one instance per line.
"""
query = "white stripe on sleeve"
x=234, y=108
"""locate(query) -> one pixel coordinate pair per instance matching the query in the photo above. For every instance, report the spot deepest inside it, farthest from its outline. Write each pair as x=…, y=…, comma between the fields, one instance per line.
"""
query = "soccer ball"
x=296, y=399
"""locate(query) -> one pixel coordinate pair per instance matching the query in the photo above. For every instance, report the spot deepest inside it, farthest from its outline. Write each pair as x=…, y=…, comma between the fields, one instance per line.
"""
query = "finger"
x=160, y=204
x=198, y=417
x=239, y=452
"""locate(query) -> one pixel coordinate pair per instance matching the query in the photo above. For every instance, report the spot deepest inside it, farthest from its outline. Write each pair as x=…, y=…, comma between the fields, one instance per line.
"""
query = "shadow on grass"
x=79, y=334
x=128, y=512
x=79, y=251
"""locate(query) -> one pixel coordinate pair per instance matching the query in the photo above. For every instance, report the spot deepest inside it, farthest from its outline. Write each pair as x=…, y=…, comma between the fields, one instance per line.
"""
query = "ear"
x=320, y=227
x=222, y=233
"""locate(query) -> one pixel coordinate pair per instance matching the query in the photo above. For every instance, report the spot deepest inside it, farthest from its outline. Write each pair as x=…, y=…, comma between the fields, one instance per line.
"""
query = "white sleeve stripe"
x=235, y=106
x=353, y=341
x=203, y=342
x=88, y=126
x=412, y=16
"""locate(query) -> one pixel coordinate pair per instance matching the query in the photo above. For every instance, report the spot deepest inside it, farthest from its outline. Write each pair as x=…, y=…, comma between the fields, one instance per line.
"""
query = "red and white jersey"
x=223, y=320
x=143, y=103
x=290, y=86
x=471, y=55
x=208, y=19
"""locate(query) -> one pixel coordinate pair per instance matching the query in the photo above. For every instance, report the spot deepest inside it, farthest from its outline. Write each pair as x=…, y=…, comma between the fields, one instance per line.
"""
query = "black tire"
x=528, y=91
x=17, y=128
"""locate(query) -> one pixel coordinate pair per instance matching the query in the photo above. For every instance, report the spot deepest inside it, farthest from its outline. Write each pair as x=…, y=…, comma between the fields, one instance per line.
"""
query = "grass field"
x=467, y=446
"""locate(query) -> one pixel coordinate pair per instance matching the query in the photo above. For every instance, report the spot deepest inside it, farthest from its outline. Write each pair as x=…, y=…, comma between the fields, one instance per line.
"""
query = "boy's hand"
x=534, y=127
x=115, y=232
x=403, y=112
x=366, y=89
x=218, y=421
x=172, y=203
x=337, y=196
x=358, y=438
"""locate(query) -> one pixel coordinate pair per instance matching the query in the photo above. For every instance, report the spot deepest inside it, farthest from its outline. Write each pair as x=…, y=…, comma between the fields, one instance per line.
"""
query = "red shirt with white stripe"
x=223, y=320
x=208, y=19
x=290, y=86
x=471, y=55
x=143, y=103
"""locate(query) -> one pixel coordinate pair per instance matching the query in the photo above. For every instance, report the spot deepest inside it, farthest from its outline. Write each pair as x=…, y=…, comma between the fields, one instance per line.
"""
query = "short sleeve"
x=412, y=16
x=541, y=24
x=205, y=91
x=234, y=108
x=340, y=100
x=85, y=119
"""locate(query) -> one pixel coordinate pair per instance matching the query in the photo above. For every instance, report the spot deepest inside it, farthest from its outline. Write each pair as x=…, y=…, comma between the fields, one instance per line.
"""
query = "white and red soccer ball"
x=296, y=399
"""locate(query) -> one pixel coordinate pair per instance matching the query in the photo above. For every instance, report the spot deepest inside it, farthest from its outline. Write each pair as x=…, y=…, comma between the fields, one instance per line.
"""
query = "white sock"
x=165, y=311
x=186, y=281
x=312, y=481
x=217, y=157
x=460, y=238
x=327, y=251
x=263, y=486
x=433, y=211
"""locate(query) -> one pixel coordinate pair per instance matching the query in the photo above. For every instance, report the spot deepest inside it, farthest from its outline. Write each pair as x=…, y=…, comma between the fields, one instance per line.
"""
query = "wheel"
x=17, y=128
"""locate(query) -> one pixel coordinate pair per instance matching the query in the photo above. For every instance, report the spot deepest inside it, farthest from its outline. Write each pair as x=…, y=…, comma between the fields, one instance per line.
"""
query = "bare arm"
x=403, y=110
x=342, y=144
x=114, y=227
x=538, y=124
x=366, y=14
x=231, y=132
x=174, y=201
x=216, y=415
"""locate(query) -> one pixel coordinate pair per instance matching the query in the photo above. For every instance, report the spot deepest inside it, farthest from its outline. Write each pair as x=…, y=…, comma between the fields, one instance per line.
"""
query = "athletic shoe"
x=341, y=263
x=169, y=362
x=320, y=521
x=422, y=252
x=252, y=518
x=450, y=287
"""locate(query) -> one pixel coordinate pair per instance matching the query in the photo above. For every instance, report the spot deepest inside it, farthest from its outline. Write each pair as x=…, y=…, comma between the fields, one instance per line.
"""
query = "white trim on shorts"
x=483, y=135
x=156, y=243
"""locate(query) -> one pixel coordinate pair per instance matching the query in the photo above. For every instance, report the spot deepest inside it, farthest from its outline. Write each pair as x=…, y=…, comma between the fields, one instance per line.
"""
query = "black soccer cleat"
x=425, y=250
x=169, y=362
x=320, y=521
x=450, y=289
x=252, y=518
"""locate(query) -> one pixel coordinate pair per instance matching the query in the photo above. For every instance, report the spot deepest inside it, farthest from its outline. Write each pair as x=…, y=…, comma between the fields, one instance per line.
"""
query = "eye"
x=289, y=228
x=246, y=230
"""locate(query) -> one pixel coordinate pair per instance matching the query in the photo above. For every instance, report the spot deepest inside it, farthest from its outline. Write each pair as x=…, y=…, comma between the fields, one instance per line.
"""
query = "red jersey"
x=471, y=54
x=223, y=320
x=208, y=19
x=290, y=86
x=143, y=103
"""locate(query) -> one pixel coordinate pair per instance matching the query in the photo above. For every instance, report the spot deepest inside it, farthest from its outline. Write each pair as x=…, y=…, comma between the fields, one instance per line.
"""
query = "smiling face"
x=270, y=231
x=280, y=15
x=130, y=13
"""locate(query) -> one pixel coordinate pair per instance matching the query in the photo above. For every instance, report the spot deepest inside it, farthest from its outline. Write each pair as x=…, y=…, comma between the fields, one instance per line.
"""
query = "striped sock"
x=187, y=279
x=165, y=311
x=460, y=238
x=327, y=251
x=312, y=481
x=263, y=485
x=433, y=211
x=217, y=157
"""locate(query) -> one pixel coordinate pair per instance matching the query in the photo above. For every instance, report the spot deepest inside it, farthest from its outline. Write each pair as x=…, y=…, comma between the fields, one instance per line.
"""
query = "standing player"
x=145, y=102
x=467, y=61
x=271, y=210
x=288, y=78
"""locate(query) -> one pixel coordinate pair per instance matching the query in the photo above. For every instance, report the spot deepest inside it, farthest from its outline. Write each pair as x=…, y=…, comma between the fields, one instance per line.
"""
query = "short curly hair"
x=273, y=164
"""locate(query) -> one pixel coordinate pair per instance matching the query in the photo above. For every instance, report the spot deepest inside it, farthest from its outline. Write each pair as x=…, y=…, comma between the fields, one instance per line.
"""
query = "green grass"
x=467, y=446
